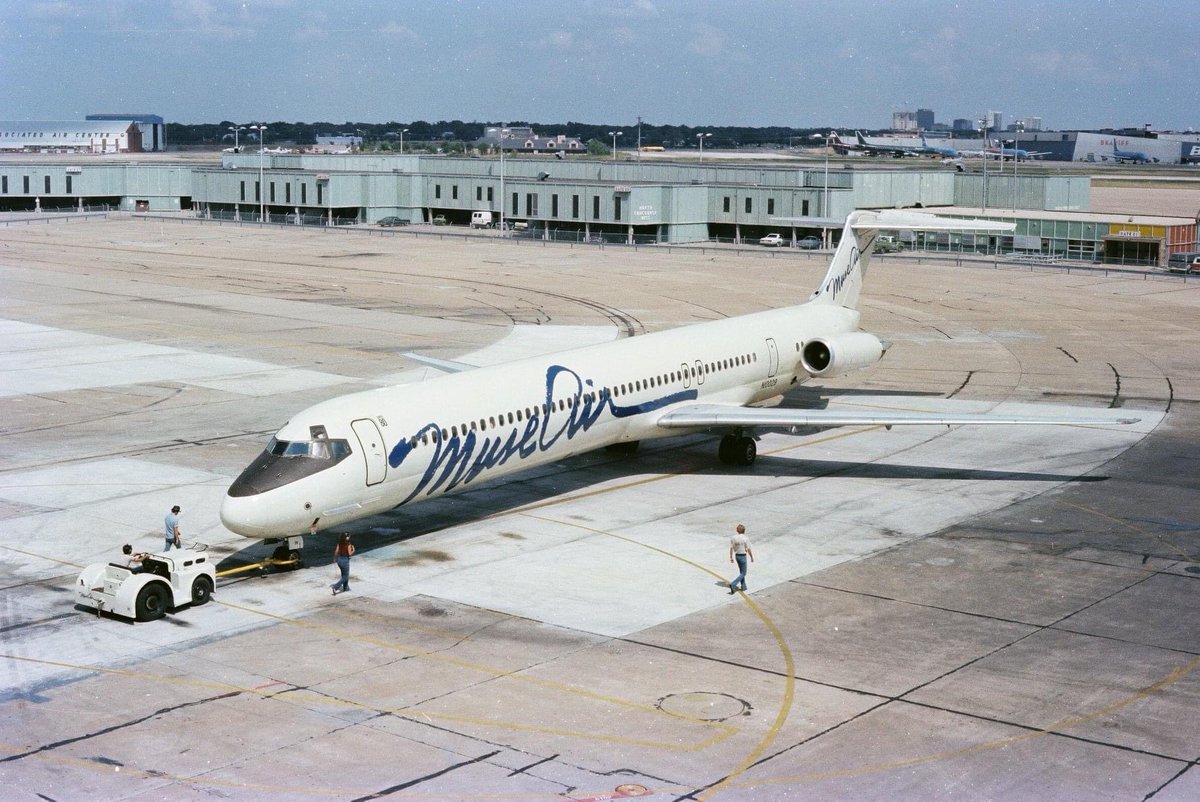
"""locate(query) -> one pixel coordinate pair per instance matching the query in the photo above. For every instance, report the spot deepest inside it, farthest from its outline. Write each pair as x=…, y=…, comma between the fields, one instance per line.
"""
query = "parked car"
x=809, y=243
x=393, y=221
x=440, y=220
x=772, y=239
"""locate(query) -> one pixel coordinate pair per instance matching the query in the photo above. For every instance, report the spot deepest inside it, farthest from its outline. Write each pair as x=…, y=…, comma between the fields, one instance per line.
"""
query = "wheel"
x=725, y=451
x=297, y=562
x=201, y=590
x=745, y=452
x=151, y=602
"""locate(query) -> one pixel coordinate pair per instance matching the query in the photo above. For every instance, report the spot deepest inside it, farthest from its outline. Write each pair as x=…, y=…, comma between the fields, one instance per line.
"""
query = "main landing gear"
x=737, y=449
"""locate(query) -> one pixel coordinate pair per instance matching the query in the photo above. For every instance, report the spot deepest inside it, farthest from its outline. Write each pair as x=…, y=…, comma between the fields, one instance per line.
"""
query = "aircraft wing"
x=444, y=365
x=706, y=415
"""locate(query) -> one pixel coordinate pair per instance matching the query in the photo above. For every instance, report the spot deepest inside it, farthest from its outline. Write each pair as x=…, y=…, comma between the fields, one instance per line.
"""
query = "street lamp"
x=402, y=133
x=500, y=139
x=262, y=190
x=1020, y=128
x=702, y=137
x=614, y=135
x=235, y=129
x=983, y=127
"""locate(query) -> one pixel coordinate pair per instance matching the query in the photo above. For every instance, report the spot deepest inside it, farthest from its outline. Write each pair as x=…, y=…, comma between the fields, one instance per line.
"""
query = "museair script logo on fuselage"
x=461, y=458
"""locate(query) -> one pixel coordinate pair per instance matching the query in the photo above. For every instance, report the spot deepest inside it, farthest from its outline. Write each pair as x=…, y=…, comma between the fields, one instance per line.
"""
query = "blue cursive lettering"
x=572, y=406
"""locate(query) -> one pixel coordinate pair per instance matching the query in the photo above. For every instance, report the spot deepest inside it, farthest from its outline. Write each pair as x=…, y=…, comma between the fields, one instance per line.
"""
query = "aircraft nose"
x=245, y=515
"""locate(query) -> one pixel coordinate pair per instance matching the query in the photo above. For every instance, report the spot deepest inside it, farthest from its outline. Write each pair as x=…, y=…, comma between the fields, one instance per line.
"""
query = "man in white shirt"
x=739, y=550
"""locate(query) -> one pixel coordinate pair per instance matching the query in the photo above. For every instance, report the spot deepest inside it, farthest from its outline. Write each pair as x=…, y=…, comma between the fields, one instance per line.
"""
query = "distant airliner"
x=365, y=453
x=1130, y=156
x=883, y=150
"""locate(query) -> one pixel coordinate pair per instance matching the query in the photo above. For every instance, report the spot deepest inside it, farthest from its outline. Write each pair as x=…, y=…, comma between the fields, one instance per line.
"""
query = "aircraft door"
x=372, y=449
x=687, y=375
x=773, y=355
x=699, y=372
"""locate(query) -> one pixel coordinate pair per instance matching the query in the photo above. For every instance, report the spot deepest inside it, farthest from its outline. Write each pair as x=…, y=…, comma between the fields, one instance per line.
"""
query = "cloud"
x=395, y=30
x=708, y=41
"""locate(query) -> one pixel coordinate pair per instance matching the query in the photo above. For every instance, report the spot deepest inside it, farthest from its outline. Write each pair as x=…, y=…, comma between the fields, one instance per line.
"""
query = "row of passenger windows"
x=562, y=404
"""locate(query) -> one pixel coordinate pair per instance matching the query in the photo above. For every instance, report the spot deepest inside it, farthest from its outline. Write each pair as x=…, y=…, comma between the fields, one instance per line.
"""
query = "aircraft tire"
x=727, y=451
x=151, y=602
x=201, y=590
x=746, y=452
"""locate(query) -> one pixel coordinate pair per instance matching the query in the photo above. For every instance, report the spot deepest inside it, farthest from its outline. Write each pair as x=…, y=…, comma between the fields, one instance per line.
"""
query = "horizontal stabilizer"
x=444, y=365
x=904, y=220
x=706, y=415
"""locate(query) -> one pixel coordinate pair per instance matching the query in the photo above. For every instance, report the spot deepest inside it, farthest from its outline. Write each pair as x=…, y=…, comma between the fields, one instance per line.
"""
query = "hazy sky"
x=1075, y=63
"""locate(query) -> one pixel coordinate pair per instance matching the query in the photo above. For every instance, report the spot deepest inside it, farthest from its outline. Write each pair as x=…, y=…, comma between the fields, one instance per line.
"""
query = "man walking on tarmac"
x=739, y=549
x=171, y=529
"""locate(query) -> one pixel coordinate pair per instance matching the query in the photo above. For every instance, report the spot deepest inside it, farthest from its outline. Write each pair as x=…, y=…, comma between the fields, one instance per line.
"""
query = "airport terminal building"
x=617, y=201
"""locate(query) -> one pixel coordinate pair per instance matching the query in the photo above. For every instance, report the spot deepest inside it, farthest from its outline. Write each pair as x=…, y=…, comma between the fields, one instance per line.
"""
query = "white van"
x=481, y=220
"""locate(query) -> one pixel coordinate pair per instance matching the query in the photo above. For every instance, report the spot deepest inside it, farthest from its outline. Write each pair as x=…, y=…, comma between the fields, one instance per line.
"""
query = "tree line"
x=420, y=133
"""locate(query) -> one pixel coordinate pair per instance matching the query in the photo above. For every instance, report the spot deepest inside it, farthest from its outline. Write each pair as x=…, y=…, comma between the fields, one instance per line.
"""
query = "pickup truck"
x=772, y=240
x=163, y=581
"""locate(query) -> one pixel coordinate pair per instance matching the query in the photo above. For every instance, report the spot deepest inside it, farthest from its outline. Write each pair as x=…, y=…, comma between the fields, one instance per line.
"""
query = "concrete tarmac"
x=1000, y=613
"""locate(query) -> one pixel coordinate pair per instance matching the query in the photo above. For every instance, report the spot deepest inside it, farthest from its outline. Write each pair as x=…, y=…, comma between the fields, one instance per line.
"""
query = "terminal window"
x=595, y=207
x=725, y=208
x=554, y=206
x=616, y=207
x=243, y=190
x=454, y=191
x=770, y=206
x=25, y=184
x=4, y=180
x=47, y=190
x=575, y=206
x=749, y=205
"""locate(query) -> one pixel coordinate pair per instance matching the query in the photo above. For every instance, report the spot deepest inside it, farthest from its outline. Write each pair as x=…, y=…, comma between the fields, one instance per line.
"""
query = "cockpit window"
x=287, y=461
x=337, y=450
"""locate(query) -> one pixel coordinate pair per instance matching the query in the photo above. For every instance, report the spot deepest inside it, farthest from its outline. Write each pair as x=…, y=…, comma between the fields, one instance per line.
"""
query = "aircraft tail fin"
x=862, y=140
x=843, y=281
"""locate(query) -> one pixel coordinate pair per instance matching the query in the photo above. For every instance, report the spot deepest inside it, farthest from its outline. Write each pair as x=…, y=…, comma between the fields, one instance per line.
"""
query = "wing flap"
x=695, y=416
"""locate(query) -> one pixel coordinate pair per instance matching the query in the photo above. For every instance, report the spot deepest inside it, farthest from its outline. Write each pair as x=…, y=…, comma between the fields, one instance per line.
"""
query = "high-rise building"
x=962, y=124
x=1032, y=123
x=904, y=121
x=925, y=119
x=994, y=120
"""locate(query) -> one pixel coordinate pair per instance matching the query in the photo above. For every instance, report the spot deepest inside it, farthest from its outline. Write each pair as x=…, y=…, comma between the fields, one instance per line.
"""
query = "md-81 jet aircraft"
x=368, y=452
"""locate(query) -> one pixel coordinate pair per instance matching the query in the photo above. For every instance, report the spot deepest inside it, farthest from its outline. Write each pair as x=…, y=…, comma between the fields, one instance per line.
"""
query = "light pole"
x=828, y=146
x=235, y=129
x=403, y=131
x=702, y=137
x=500, y=139
x=1016, y=157
x=983, y=126
x=614, y=135
x=262, y=190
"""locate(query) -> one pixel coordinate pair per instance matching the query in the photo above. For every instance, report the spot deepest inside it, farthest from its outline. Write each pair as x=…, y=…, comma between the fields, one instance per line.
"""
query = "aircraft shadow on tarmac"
x=677, y=455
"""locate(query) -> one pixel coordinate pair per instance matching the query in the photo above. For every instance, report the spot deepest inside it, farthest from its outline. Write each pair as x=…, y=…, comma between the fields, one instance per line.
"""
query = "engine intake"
x=833, y=356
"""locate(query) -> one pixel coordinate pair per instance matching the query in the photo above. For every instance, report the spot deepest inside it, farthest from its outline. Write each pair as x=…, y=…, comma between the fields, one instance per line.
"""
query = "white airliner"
x=368, y=452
